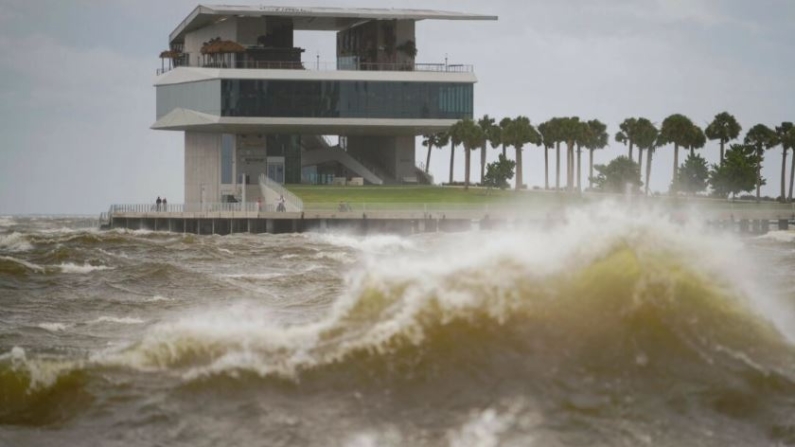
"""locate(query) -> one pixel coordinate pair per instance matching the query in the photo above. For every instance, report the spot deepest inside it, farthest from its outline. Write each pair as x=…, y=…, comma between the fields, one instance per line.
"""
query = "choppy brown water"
x=612, y=329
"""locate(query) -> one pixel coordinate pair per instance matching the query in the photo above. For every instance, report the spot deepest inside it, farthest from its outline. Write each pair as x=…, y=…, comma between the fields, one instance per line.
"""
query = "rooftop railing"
x=333, y=66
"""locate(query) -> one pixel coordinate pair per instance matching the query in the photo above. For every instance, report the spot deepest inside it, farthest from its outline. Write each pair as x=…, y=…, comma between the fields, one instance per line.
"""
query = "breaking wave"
x=384, y=243
x=39, y=391
x=14, y=242
x=607, y=292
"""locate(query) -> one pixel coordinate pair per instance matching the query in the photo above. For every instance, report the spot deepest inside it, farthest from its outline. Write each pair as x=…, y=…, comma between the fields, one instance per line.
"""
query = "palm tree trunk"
x=569, y=164
x=546, y=168
x=784, y=176
x=452, y=159
x=503, y=151
x=571, y=167
x=640, y=161
x=692, y=152
x=467, y=158
x=631, y=145
x=482, y=162
x=590, y=170
x=758, y=178
x=579, y=168
x=648, y=169
x=428, y=158
x=519, y=178
x=557, y=165
x=792, y=175
x=721, y=152
x=676, y=167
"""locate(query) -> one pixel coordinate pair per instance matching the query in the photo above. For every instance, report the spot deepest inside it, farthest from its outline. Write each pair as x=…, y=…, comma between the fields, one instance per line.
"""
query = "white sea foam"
x=14, y=242
x=779, y=236
x=368, y=244
x=6, y=221
x=116, y=320
x=53, y=327
x=255, y=276
x=227, y=251
x=157, y=299
x=29, y=265
x=338, y=256
x=41, y=373
x=81, y=269
x=289, y=256
x=482, y=430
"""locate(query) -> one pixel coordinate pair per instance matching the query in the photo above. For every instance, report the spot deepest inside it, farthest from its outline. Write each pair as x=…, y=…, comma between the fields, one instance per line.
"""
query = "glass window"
x=346, y=99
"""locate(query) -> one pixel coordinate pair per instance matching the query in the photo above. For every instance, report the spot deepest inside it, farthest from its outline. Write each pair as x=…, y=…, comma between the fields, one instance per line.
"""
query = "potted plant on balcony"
x=173, y=58
x=224, y=48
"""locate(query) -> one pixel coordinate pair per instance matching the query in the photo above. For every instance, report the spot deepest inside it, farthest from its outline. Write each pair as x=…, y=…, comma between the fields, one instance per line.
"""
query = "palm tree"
x=434, y=140
x=597, y=139
x=785, y=136
x=627, y=134
x=454, y=141
x=517, y=134
x=505, y=122
x=471, y=136
x=547, y=140
x=570, y=132
x=697, y=140
x=676, y=129
x=555, y=130
x=761, y=138
x=644, y=136
x=650, y=150
x=724, y=128
x=486, y=123
x=789, y=140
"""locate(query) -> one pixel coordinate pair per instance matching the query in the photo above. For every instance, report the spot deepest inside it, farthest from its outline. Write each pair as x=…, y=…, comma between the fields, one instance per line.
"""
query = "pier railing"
x=716, y=210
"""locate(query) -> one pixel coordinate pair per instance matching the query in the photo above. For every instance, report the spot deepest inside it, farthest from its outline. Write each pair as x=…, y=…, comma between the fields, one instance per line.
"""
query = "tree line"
x=738, y=170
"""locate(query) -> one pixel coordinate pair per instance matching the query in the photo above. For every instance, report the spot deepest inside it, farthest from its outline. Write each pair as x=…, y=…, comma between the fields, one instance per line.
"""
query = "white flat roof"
x=313, y=18
x=183, y=75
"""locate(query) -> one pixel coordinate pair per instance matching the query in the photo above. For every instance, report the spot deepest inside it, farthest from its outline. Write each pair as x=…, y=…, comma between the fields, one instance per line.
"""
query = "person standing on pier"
x=165, y=204
x=158, y=202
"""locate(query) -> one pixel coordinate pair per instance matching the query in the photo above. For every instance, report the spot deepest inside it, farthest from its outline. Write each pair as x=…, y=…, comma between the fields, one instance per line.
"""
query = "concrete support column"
x=783, y=224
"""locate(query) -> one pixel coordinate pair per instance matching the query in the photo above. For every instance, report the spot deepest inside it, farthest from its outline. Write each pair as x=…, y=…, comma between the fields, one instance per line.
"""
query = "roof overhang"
x=183, y=75
x=312, y=18
x=190, y=120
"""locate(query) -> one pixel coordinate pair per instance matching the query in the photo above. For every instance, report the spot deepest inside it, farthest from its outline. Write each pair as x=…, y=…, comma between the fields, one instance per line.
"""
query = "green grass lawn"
x=396, y=197
x=397, y=194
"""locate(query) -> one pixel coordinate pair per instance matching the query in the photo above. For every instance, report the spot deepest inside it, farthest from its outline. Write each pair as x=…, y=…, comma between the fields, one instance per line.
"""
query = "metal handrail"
x=333, y=66
x=292, y=202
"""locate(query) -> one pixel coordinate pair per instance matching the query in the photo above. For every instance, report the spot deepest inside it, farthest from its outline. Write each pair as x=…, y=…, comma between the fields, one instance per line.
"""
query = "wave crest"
x=605, y=292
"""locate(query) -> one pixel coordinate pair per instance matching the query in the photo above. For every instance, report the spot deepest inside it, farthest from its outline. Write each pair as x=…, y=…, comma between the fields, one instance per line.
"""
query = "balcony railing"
x=334, y=66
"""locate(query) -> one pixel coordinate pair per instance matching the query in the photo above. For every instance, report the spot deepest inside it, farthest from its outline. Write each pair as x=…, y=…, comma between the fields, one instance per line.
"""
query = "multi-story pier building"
x=234, y=82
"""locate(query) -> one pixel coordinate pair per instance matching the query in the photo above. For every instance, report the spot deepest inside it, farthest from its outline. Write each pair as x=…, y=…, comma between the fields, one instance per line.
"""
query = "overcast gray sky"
x=76, y=95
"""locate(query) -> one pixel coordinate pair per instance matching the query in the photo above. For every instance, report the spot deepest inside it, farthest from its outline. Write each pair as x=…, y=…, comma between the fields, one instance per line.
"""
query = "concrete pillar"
x=783, y=224
x=270, y=226
x=765, y=226
x=744, y=225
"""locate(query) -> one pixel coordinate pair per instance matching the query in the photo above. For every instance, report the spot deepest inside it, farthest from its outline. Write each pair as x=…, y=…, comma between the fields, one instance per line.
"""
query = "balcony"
x=340, y=65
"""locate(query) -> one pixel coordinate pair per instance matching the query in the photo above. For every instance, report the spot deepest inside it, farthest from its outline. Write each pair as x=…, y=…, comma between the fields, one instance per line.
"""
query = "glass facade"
x=201, y=96
x=346, y=99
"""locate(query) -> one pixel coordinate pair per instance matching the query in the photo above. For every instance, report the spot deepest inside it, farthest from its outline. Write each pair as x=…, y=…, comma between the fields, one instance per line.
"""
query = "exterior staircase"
x=337, y=154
